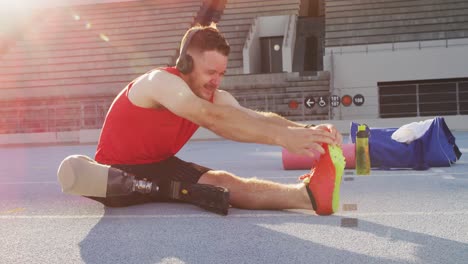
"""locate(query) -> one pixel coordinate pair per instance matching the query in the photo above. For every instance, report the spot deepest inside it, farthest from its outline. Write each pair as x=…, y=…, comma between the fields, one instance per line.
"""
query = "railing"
x=53, y=118
x=423, y=99
x=289, y=105
x=91, y=114
x=398, y=100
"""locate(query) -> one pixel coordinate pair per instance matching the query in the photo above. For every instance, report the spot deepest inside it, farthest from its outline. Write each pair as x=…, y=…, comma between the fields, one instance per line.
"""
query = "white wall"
x=268, y=26
x=357, y=69
x=251, y=52
x=289, y=43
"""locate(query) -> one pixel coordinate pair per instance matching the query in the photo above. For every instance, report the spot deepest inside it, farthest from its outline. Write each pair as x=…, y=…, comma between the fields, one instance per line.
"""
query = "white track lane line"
x=252, y=215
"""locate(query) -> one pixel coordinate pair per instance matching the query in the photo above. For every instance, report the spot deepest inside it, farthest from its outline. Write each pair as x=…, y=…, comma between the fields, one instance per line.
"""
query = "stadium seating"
x=278, y=92
x=355, y=22
x=63, y=72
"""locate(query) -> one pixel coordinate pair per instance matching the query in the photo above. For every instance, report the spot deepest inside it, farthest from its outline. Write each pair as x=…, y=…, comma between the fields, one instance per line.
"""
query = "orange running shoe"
x=324, y=180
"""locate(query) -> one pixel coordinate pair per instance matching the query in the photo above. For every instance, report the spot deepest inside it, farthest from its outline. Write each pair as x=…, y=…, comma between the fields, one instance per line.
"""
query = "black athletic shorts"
x=160, y=173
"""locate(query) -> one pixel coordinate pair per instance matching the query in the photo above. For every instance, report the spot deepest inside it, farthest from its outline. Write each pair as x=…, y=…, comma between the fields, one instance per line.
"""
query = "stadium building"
x=387, y=62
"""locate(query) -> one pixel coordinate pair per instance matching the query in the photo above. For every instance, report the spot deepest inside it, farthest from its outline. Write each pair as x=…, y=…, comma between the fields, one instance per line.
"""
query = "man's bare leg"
x=259, y=194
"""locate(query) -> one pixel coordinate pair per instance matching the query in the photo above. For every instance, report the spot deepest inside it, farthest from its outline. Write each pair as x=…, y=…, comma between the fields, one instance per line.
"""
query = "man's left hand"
x=329, y=127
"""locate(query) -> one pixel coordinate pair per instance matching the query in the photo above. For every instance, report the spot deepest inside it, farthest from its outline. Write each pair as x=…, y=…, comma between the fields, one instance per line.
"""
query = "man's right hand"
x=303, y=141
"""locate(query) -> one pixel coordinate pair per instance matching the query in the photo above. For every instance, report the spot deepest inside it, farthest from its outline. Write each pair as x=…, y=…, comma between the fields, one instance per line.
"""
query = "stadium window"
x=423, y=98
x=397, y=100
x=463, y=97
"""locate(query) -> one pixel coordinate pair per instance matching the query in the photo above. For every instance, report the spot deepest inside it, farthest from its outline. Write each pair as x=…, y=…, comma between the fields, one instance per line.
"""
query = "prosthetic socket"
x=81, y=175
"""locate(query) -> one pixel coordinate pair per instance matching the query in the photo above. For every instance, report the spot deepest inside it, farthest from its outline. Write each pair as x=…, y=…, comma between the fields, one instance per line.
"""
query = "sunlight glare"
x=104, y=37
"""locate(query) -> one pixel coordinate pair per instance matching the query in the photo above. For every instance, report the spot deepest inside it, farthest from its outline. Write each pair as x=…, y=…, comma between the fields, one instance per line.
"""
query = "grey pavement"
x=400, y=216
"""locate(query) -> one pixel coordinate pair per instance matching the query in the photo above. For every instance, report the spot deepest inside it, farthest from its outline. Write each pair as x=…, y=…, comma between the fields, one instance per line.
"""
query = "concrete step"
x=234, y=22
x=316, y=77
x=398, y=30
x=245, y=16
x=86, y=66
x=110, y=18
x=368, y=5
x=398, y=10
x=402, y=21
x=116, y=9
x=137, y=70
x=462, y=33
x=87, y=90
x=86, y=55
x=235, y=56
x=309, y=88
x=89, y=58
x=234, y=63
x=287, y=88
x=65, y=82
x=248, y=80
x=236, y=41
x=234, y=28
x=357, y=2
x=397, y=23
x=236, y=35
x=31, y=46
x=236, y=47
x=247, y=4
x=393, y=17
x=163, y=24
x=247, y=1
x=87, y=38
x=22, y=54
x=109, y=32
x=261, y=9
x=234, y=71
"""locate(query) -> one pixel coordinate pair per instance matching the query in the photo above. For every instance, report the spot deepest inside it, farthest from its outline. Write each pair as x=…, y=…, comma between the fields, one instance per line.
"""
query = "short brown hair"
x=206, y=38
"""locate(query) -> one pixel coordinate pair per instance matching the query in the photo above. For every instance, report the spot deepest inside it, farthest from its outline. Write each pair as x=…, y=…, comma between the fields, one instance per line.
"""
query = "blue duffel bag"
x=435, y=148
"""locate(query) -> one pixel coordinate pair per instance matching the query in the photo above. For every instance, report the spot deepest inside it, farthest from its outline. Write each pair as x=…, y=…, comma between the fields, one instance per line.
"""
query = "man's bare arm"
x=225, y=120
x=173, y=93
x=225, y=98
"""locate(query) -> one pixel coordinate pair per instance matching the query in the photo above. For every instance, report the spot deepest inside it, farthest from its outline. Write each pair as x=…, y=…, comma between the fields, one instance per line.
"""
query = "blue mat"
x=436, y=148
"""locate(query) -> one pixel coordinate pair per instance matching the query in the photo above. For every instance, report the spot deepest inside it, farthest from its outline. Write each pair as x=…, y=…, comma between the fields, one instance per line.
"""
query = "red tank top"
x=137, y=135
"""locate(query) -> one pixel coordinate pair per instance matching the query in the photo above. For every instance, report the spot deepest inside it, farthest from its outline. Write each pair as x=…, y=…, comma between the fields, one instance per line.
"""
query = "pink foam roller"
x=293, y=161
x=349, y=152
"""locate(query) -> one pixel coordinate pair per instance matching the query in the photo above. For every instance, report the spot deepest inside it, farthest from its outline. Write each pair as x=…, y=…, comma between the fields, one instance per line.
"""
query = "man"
x=157, y=113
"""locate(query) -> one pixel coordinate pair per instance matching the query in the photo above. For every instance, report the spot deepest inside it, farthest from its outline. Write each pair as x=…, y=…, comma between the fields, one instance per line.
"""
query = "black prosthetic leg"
x=81, y=175
x=209, y=197
x=121, y=183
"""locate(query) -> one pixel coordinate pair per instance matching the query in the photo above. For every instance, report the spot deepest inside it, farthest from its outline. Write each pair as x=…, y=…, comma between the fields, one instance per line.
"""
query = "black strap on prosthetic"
x=209, y=197
x=119, y=183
